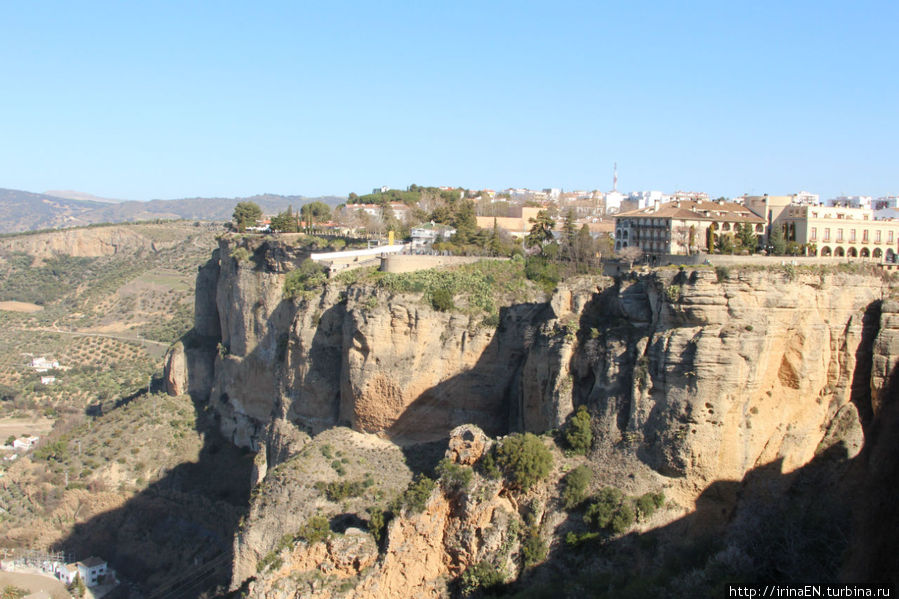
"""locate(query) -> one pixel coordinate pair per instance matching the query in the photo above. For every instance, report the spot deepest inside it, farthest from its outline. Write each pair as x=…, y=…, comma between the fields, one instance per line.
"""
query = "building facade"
x=683, y=227
x=842, y=232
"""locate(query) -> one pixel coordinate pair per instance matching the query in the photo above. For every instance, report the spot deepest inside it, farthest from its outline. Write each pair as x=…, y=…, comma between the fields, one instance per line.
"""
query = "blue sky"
x=174, y=99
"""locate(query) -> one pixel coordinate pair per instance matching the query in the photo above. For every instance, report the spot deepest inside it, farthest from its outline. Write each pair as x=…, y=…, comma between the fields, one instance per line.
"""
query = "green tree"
x=747, y=238
x=77, y=588
x=725, y=243
x=285, y=222
x=584, y=246
x=524, y=459
x=315, y=212
x=569, y=234
x=578, y=434
x=776, y=241
x=541, y=231
x=246, y=214
x=576, y=484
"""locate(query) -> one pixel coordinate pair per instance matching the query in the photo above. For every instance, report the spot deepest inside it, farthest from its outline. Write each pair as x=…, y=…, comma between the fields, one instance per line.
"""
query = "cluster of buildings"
x=843, y=227
x=93, y=571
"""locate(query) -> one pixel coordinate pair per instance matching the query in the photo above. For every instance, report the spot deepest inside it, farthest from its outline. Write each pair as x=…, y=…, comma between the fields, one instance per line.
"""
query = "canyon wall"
x=699, y=375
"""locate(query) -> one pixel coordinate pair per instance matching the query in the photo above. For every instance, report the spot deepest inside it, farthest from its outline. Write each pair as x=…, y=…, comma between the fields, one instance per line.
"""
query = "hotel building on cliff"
x=824, y=231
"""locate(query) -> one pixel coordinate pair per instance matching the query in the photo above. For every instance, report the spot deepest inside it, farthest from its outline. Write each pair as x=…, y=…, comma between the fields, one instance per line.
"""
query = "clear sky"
x=142, y=100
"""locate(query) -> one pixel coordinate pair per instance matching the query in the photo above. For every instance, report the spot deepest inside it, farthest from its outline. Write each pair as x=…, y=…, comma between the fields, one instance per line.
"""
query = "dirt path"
x=34, y=583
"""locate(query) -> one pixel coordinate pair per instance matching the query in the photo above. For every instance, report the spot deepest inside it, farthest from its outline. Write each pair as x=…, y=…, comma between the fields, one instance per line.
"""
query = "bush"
x=722, y=273
x=338, y=490
x=543, y=272
x=453, y=477
x=575, y=488
x=240, y=254
x=377, y=523
x=610, y=510
x=602, y=508
x=315, y=530
x=578, y=434
x=524, y=460
x=648, y=503
x=416, y=495
x=308, y=276
x=442, y=300
x=533, y=548
x=483, y=577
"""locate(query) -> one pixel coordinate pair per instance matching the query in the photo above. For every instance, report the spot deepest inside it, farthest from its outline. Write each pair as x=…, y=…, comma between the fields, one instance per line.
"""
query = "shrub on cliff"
x=524, y=460
x=306, y=277
x=416, y=495
x=575, y=487
x=578, y=434
x=453, y=476
x=610, y=510
x=442, y=299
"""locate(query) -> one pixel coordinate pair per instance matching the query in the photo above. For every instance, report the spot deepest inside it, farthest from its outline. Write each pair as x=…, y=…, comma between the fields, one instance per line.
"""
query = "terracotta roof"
x=696, y=210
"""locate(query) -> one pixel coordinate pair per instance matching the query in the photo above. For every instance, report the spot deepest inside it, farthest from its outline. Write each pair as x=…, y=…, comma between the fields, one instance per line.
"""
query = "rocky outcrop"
x=700, y=376
x=86, y=243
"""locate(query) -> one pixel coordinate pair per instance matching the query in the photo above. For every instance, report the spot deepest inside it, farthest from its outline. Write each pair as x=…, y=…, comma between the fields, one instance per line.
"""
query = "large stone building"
x=682, y=226
x=841, y=232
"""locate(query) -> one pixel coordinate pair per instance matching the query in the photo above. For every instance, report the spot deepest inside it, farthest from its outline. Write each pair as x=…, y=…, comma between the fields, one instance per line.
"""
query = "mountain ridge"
x=22, y=211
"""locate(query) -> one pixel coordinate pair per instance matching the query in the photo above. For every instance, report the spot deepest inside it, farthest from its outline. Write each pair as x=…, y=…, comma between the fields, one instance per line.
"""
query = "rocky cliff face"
x=693, y=377
x=85, y=243
x=701, y=378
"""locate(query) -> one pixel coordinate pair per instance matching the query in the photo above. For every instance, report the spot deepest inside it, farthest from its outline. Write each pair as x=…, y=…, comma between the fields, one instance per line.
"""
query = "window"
x=877, y=236
x=851, y=234
x=865, y=236
x=889, y=237
x=839, y=234
x=814, y=235
x=827, y=234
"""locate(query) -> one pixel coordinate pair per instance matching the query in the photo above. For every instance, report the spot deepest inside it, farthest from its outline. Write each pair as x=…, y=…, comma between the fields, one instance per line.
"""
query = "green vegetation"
x=483, y=577
x=578, y=433
x=477, y=286
x=612, y=511
x=533, y=547
x=13, y=592
x=452, y=476
x=377, y=523
x=415, y=497
x=245, y=215
x=307, y=277
x=342, y=489
x=442, y=300
x=240, y=254
x=524, y=460
x=576, y=484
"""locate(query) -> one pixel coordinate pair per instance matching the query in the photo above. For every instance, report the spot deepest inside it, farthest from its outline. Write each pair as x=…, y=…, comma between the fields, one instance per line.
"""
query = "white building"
x=806, y=197
x=613, y=201
x=886, y=202
x=42, y=364
x=25, y=443
x=92, y=570
x=850, y=202
x=644, y=199
x=426, y=234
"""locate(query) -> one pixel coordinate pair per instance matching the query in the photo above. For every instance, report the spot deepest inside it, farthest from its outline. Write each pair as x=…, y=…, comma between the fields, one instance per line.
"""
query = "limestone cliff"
x=700, y=378
x=693, y=377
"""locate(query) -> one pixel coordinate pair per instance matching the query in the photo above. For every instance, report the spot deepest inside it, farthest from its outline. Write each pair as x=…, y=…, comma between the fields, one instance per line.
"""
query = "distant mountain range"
x=26, y=211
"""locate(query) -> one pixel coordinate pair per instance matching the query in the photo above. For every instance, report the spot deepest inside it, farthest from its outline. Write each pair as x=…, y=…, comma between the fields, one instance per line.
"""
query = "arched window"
x=839, y=252
x=853, y=253
x=878, y=253
x=865, y=253
x=826, y=251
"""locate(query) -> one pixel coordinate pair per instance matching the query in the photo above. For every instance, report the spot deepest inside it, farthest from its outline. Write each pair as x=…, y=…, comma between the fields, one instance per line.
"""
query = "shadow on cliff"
x=832, y=521
x=789, y=529
x=487, y=394
x=174, y=538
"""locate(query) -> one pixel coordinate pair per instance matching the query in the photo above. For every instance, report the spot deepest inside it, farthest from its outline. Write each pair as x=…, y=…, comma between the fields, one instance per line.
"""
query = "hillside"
x=25, y=211
x=105, y=302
